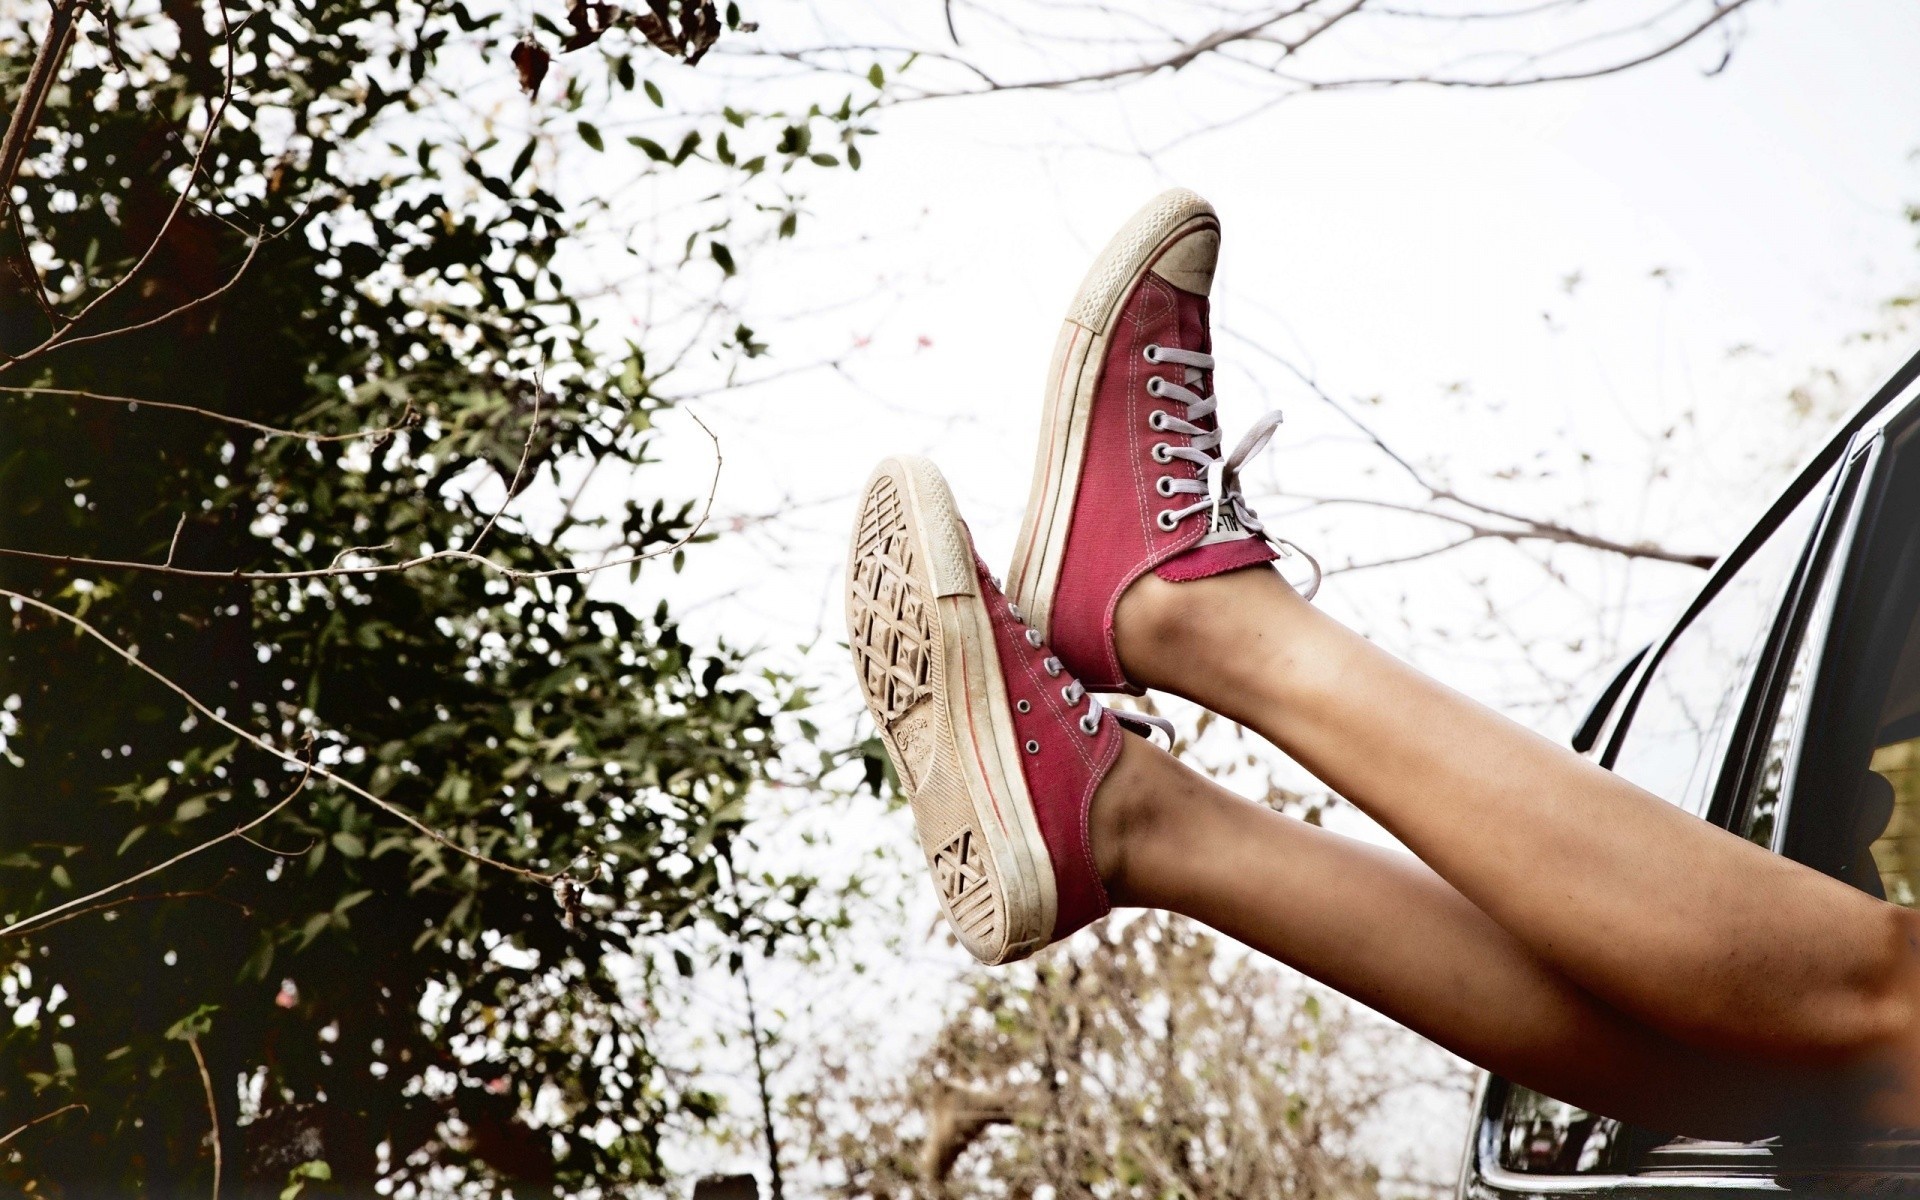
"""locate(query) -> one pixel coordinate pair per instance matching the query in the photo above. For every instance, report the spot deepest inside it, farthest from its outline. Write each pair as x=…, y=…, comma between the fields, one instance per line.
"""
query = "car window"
x=1854, y=808
x=1680, y=728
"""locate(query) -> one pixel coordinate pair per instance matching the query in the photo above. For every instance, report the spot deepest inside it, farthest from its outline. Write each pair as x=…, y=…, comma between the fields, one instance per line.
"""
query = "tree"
x=1146, y=1060
x=284, y=343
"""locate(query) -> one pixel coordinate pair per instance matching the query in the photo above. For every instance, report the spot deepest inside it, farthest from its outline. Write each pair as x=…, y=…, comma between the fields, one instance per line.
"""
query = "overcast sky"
x=1397, y=244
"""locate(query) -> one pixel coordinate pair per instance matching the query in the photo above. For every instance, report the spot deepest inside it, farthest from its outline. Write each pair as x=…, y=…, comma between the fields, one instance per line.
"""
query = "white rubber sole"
x=923, y=648
x=1072, y=380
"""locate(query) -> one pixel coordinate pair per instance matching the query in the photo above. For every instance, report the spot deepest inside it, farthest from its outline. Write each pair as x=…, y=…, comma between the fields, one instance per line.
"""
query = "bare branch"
x=47, y=61
x=543, y=877
x=407, y=420
x=109, y=905
x=1528, y=530
x=213, y=1109
x=1722, y=9
x=216, y=114
x=513, y=487
x=46, y=1116
x=41, y=919
x=337, y=569
x=1525, y=528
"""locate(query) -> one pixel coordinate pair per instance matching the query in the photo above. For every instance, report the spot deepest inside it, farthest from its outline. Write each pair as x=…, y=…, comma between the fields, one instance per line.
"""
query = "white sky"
x=1395, y=244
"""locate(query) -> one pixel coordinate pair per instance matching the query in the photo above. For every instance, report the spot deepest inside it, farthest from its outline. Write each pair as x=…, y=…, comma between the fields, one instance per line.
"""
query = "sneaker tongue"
x=1226, y=528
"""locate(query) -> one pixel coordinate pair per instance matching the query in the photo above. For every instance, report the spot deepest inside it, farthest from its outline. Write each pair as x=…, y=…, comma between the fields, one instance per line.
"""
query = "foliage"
x=1143, y=1060
x=368, y=996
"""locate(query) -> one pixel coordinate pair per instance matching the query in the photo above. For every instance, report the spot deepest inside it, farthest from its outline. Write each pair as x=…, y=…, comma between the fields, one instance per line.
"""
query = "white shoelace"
x=1219, y=486
x=1074, y=692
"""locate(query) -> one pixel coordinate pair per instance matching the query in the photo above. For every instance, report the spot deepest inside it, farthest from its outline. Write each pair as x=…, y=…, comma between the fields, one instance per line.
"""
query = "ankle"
x=1153, y=629
x=1128, y=811
x=1205, y=639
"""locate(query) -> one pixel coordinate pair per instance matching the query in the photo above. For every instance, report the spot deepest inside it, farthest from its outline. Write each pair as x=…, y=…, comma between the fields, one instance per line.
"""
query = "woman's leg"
x=1384, y=929
x=1676, y=923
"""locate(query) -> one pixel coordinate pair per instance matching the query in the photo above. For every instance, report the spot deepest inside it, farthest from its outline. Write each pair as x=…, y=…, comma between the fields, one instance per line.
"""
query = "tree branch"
x=407, y=420
x=213, y=1109
x=46, y=1116
x=547, y=878
x=336, y=569
x=47, y=61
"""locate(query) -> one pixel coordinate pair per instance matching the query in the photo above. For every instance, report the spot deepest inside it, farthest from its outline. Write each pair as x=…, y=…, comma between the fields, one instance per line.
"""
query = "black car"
x=1784, y=705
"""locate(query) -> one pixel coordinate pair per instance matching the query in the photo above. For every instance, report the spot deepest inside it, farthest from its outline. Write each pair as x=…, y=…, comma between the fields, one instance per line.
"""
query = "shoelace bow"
x=1075, y=691
x=1219, y=485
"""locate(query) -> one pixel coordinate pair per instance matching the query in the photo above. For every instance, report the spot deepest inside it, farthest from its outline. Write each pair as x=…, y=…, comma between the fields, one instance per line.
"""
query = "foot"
x=1130, y=476
x=1000, y=749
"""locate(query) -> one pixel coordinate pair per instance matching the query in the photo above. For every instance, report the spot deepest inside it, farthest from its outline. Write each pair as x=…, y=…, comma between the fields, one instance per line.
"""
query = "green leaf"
x=876, y=76
x=723, y=256
x=591, y=135
x=193, y=1025
x=654, y=150
x=653, y=94
x=349, y=844
x=311, y=930
x=133, y=835
x=313, y=1171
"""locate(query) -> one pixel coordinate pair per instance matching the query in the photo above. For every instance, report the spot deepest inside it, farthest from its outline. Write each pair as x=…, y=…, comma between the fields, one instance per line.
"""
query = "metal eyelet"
x=1033, y=747
x=1090, y=724
x=1157, y=421
x=1167, y=521
x=1162, y=453
x=1164, y=485
x=1051, y=666
x=1034, y=639
x=1013, y=610
x=1154, y=385
x=1151, y=353
x=1024, y=706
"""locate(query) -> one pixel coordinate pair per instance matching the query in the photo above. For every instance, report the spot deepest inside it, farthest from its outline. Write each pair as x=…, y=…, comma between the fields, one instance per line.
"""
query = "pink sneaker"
x=998, y=747
x=1130, y=476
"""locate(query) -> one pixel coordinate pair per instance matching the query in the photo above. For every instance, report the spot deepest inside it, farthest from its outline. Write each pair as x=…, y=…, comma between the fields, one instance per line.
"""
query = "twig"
x=107, y=905
x=387, y=806
x=513, y=488
x=1530, y=528
x=213, y=1109
x=215, y=115
x=175, y=543
x=47, y=61
x=335, y=569
x=46, y=1116
x=406, y=421
x=40, y=918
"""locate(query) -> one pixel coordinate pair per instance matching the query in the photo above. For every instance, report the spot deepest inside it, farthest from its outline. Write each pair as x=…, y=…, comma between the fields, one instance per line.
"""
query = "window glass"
x=1679, y=731
x=1541, y=1136
x=1855, y=811
x=1760, y=824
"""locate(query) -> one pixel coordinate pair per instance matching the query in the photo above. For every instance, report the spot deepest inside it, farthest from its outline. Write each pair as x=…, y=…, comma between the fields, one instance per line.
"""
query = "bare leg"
x=1384, y=929
x=1677, y=924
